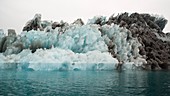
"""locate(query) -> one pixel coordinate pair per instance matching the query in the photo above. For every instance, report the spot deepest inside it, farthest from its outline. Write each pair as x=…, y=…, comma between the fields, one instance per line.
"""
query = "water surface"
x=82, y=83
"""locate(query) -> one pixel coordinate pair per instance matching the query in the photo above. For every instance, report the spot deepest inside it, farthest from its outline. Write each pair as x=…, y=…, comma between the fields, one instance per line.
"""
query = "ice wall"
x=122, y=45
x=79, y=39
x=78, y=48
x=58, y=59
x=96, y=45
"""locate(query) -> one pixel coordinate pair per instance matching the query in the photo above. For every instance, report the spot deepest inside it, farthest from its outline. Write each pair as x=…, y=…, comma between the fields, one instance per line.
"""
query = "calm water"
x=81, y=83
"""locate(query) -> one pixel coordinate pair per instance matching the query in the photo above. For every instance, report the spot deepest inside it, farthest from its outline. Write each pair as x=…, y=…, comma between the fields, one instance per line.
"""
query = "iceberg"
x=78, y=48
x=100, y=44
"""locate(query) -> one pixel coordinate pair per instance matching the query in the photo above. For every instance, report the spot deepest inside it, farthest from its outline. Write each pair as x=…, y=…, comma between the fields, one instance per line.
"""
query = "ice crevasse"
x=78, y=47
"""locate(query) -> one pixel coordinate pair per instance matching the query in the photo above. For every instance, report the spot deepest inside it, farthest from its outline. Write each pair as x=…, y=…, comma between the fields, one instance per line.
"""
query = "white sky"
x=15, y=13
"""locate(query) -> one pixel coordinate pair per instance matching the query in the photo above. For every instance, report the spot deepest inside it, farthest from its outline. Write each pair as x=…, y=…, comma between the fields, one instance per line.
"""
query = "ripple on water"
x=73, y=83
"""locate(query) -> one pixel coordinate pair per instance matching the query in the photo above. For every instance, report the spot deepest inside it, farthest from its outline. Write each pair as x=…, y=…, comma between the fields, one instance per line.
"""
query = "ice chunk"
x=2, y=33
x=60, y=59
x=101, y=20
x=77, y=38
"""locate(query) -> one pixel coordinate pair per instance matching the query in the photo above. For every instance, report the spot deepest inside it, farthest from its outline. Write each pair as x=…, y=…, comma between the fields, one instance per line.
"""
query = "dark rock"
x=144, y=27
x=168, y=34
x=79, y=22
x=11, y=32
x=33, y=24
x=45, y=24
x=161, y=22
x=142, y=51
x=55, y=24
x=2, y=44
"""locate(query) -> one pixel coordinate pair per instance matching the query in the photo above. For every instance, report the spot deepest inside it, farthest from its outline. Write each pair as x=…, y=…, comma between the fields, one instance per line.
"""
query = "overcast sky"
x=15, y=13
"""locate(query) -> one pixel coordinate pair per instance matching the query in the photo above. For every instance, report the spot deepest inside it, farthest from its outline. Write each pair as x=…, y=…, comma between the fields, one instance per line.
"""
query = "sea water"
x=84, y=83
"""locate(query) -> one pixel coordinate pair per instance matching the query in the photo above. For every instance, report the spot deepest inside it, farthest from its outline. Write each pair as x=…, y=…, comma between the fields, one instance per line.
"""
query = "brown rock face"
x=78, y=22
x=144, y=27
x=33, y=24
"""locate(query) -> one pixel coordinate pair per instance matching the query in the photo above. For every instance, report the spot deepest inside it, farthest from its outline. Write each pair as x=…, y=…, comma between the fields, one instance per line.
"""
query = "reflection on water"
x=113, y=83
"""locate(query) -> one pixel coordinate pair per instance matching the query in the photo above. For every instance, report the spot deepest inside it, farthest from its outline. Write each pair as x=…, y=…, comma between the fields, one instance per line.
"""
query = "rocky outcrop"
x=78, y=22
x=33, y=24
x=144, y=27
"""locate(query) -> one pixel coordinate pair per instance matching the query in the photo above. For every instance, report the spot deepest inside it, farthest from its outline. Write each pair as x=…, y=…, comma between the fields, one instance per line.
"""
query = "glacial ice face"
x=60, y=46
x=78, y=48
x=58, y=59
x=101, y=20
x=2, y=33
x=79, y=39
